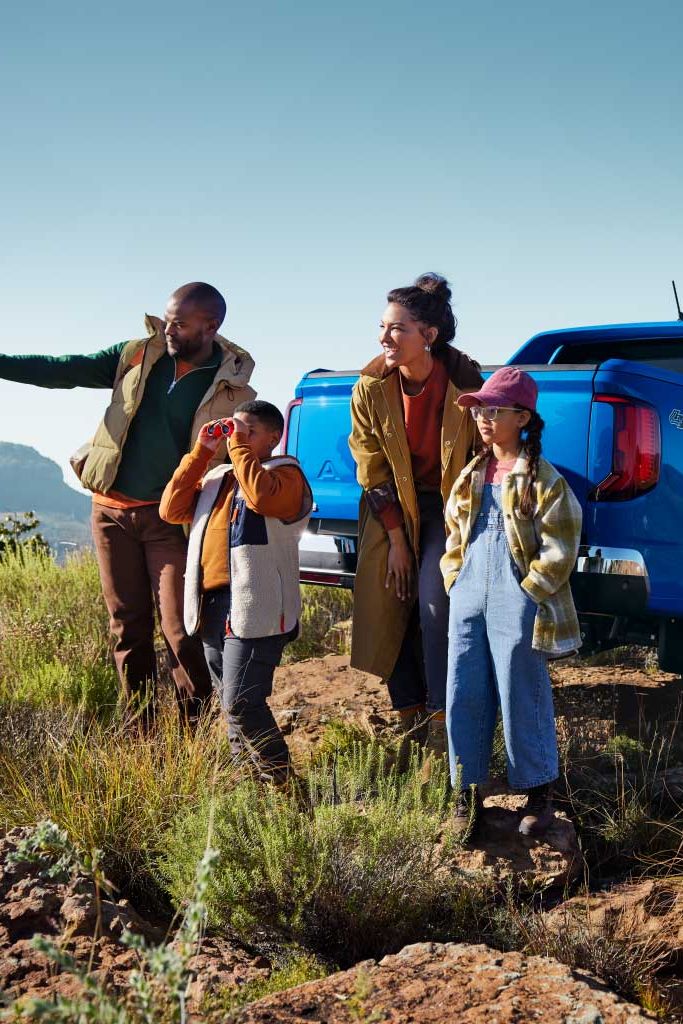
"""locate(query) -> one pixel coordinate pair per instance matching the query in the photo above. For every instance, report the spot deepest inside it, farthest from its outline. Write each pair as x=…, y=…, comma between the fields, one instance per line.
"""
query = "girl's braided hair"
x=531, y=442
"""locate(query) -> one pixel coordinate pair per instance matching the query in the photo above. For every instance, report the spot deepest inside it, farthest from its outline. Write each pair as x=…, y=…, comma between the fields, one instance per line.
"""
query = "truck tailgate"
x=319, y=429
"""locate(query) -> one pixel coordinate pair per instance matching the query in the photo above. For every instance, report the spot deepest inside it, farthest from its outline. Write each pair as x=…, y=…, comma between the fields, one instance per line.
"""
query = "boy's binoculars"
x=220, y=427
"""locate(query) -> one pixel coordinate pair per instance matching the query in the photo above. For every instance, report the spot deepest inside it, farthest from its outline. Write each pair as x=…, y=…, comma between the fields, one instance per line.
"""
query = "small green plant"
x=299, y=968
x=54, y=634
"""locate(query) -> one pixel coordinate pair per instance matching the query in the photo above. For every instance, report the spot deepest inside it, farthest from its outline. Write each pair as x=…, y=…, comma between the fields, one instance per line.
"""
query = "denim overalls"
x=491, y=662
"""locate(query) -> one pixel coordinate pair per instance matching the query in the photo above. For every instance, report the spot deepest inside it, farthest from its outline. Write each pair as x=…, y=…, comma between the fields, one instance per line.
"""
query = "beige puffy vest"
x=96, y=463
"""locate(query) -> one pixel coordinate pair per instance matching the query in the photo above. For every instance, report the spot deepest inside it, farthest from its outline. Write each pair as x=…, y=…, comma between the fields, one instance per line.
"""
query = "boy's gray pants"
x=242, y=674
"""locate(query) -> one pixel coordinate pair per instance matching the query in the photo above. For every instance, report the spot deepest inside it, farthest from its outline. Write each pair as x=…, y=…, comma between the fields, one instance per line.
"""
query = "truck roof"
x=542, y=346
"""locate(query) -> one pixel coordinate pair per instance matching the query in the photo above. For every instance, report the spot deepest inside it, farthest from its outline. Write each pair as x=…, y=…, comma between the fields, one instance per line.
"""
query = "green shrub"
x=359, y=872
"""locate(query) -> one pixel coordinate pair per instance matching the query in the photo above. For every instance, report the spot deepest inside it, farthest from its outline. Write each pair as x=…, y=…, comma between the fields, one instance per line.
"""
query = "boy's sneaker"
x=467, y=813
x=538, y=814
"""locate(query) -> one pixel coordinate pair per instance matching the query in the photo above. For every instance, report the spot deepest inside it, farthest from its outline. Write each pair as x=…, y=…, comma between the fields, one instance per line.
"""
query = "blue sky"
x=306, y=158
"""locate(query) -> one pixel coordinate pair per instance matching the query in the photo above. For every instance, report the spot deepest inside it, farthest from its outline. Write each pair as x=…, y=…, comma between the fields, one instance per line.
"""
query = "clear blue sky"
x=306, y=158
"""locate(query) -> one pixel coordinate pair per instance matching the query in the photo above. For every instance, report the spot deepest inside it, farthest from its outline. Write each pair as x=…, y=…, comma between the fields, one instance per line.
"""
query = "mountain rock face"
x=30, y=482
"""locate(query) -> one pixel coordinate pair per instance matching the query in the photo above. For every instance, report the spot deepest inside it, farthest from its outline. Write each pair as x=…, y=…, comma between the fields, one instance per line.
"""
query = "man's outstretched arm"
x=79, y=371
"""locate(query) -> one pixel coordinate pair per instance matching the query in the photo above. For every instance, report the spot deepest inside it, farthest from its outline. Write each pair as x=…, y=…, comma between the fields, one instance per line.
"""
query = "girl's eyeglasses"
x=490, y=412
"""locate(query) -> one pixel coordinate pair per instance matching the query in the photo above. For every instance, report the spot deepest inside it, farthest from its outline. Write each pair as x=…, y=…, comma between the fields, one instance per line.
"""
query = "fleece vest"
x=265, y=597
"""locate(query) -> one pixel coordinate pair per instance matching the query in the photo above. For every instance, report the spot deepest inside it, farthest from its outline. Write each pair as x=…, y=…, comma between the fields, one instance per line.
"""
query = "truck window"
x=664, y=353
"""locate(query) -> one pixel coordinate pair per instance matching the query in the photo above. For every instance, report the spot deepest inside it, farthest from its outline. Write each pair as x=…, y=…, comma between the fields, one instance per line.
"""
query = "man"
x=165, y=387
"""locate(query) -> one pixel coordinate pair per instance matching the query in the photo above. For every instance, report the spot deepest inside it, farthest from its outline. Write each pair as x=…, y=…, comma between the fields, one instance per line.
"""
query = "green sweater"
x=159, y=435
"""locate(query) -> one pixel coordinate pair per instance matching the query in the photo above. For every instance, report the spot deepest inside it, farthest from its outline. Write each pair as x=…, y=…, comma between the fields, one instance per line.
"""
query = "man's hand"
x=399, y=564
x=211, y=434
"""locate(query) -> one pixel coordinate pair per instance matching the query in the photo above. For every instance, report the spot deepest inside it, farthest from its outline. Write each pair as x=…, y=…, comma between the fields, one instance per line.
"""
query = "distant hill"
x=31, y=482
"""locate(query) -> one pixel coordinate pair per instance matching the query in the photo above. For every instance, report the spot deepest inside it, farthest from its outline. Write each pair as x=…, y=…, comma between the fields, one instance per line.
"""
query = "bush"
x=362, y=871
x=54, y=634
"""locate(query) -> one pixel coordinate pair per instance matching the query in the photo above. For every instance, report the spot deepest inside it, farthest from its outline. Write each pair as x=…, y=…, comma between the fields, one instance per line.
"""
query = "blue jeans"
x=419, y=676
x=242, y=674
x=491, y=662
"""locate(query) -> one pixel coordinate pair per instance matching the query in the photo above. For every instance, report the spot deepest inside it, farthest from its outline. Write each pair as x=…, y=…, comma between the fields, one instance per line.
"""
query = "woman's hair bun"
x=434, y=284
x=429, y=300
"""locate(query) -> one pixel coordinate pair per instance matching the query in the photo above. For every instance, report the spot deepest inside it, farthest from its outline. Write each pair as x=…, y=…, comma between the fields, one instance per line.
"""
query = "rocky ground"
x=435, y=983
x=423, y=982
x=592, y=703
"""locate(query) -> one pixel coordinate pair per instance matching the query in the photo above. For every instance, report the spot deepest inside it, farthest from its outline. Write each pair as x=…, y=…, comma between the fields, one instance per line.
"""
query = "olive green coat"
x=379, y=445
x=98, y=462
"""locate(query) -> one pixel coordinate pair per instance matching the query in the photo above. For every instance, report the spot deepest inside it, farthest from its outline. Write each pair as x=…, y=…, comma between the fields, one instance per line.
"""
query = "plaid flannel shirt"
x=544, y=546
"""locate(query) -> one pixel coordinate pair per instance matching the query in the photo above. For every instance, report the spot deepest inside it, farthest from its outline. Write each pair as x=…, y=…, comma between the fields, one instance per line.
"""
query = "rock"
x=648, y=911
x=68, y=913
x=498, y=849
x=434, y=983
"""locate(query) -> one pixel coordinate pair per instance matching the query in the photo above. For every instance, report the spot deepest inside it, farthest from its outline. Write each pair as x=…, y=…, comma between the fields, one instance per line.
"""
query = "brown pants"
x=142, y=566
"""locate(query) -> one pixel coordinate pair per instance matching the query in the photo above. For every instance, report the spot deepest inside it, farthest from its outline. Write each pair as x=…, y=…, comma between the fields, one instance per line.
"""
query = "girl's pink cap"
x=507, y=386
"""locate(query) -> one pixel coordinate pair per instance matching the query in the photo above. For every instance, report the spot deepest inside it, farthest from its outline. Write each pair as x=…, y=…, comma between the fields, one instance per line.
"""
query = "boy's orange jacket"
x=275, y=492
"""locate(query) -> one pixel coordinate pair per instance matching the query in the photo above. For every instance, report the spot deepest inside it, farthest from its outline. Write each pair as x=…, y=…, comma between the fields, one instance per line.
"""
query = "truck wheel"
x=670, y=646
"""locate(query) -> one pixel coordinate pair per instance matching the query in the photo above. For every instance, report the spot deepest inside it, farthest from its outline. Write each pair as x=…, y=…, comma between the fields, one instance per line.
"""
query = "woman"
x=410, y=440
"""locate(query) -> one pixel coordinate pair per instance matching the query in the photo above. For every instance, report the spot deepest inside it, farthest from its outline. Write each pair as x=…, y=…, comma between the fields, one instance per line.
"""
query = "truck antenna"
x=678, y=305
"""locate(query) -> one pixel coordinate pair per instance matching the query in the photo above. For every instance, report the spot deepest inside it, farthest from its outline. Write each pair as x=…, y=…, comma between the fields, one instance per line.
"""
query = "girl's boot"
x=538, y=813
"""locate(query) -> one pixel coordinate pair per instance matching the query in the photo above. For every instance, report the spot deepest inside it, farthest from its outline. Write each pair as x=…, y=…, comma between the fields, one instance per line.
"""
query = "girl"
x=410, y=440
x=514, y=527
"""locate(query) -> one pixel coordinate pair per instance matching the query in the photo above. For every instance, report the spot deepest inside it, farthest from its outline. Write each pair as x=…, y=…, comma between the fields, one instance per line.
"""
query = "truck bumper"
x=606, y=580
x=327, y=559
x=610, y=581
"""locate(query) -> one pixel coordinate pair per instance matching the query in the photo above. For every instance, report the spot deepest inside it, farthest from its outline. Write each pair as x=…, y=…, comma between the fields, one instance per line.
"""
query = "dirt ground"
x=592, y=703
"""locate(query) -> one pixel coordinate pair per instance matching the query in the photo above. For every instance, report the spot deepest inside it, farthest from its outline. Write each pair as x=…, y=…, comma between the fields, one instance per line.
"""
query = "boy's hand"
x=239, y=426
x=211, y=434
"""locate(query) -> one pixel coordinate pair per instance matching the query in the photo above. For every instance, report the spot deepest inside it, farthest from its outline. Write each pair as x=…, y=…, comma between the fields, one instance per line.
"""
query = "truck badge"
x=676, y=418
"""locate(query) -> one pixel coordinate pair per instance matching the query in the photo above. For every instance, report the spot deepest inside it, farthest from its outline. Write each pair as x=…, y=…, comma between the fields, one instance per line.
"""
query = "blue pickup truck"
x=612, y=400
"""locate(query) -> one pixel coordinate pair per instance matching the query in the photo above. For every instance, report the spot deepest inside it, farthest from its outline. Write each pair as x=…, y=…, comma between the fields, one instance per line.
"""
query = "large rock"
x=499, y=850
x=433, y=983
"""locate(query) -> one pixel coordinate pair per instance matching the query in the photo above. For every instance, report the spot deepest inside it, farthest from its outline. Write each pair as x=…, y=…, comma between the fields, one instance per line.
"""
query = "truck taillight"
x=636, y=451
x=287, y=417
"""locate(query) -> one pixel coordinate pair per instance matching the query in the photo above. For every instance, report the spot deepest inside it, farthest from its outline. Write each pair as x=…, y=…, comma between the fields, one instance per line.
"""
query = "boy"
x=242, y=578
